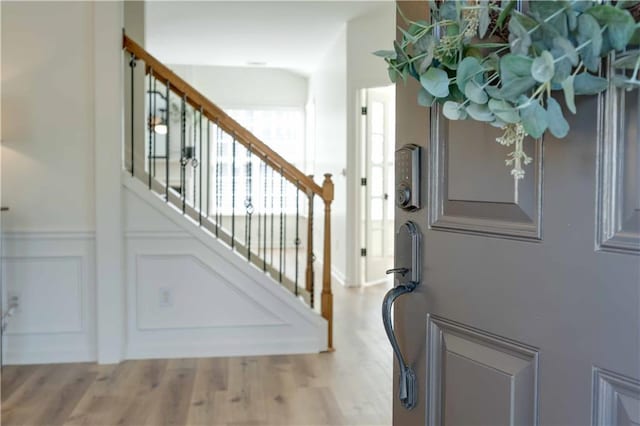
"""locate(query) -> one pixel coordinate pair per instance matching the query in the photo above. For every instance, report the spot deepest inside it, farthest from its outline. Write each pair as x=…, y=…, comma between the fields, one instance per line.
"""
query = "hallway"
x=351, y=386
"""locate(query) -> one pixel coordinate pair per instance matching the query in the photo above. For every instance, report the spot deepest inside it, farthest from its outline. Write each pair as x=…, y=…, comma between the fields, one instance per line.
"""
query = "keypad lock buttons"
x=408, y=177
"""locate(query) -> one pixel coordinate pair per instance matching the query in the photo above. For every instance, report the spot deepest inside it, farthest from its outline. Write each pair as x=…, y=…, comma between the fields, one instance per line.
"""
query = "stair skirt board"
x=261, y=316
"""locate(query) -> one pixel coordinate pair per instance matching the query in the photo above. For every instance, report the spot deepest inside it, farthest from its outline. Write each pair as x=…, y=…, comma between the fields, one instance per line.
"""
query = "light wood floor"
x=351, y=386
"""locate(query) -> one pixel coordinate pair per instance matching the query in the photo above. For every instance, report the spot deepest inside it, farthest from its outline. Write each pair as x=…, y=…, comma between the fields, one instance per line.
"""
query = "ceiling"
x=292, y=35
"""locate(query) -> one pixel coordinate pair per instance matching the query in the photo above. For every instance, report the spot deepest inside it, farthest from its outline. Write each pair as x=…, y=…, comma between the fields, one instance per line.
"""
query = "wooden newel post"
x=327, y=295
x=309, y=272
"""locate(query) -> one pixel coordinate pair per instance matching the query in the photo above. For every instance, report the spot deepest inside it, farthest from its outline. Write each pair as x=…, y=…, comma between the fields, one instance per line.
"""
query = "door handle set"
x=407, y=278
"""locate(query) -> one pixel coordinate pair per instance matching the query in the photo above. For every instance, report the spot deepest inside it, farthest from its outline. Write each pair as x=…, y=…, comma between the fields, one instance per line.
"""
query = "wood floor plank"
x=349, y=387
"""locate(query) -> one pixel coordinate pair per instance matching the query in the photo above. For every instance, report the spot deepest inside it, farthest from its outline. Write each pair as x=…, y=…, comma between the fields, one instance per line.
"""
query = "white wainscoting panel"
x=189, y=295
x=52, y=275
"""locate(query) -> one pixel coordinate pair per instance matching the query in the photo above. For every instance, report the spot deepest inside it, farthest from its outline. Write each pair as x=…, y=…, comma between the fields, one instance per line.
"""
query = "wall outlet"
x=13, y=299
x=165, y=298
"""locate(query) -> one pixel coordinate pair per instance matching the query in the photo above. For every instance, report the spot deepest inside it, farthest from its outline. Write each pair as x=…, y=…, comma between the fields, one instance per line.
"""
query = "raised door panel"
x=618, y=225
x=471, y=189
x=616, y=399
x=477, y=378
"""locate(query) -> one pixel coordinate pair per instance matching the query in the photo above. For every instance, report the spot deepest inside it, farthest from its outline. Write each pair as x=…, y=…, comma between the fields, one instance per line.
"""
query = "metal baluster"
x=132, y=65
x=218, y=177
x=273, y=178
x=155, y=100
x=281, y=221
x=248, y=204
x=264, y=237
x=233, y=192
x=149, y=125
x=259, y=218
x=208, y=166
x=183, y=157
x=200, y=174
x=297, y=242
x=310, y=255
x=194, y=161
x=167, y=144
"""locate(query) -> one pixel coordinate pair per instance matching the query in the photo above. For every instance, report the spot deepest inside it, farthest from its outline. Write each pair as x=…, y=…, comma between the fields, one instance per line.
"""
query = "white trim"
x=108, y=109
x=48, y=235
x=164, y=235
x=224, y=349
x=49, y=356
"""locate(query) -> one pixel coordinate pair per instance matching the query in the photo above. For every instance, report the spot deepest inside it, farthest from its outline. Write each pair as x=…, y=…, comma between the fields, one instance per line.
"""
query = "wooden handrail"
x=216, y=115
x=222, y=119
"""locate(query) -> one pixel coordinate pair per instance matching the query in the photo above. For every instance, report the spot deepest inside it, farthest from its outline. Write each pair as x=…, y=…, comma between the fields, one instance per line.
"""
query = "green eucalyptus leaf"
x=453, y=110
x=505, y=13
x=568, y=48
x=425, y=46
x=516, y=87
x=569, y=95
x=483, y=18
x=402, y=56
x=425, y=98
x=498, y=123
x=572, y=19
x=588, y=29
x=390, y=54
x=519, y=38
x=558, y=126
x=635, y=39
x=393, y=75
x=480, y=112
x=504, y=111
x=562, y=66
x=468, y=68
x=542, y=10
x=436, y=81
x=448, y=11
x=534, y=119
x=588, y=84
x=543, y=68
x=493, y=92
x=620, y=24
x=514, y=66
x=475, y=93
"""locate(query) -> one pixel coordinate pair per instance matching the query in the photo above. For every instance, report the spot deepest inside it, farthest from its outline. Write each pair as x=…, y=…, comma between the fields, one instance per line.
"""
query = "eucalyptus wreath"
x=489, y=61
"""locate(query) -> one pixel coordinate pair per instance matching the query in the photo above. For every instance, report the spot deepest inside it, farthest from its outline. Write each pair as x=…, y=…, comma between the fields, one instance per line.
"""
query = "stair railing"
x=228, y=181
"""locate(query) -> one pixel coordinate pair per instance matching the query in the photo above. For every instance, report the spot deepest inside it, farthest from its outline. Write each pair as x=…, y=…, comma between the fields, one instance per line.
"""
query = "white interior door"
x=379, y=182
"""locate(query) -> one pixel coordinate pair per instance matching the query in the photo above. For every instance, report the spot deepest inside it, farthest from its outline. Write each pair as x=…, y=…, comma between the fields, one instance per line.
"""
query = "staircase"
x=220, y=177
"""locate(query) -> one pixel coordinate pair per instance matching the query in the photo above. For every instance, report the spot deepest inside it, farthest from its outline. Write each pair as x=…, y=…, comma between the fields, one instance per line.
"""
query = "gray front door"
x=528, y=312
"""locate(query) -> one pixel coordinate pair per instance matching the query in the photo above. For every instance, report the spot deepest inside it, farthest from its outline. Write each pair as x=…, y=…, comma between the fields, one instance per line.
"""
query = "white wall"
x=328, y=91
x=334, y=90
x=47, y=121
x=48, y=179
x=365, y=35
x=237, y=87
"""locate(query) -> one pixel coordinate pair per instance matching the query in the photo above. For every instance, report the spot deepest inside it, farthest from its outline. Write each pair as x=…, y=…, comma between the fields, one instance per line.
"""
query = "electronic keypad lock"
x=408, y=177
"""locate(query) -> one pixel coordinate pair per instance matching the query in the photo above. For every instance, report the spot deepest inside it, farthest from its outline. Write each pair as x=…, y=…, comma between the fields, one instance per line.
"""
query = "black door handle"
x=407, y=389
x=407, y=277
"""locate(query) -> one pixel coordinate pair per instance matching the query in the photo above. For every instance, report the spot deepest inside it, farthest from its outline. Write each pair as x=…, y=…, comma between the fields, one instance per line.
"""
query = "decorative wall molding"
x=47, y=235
x=616, y=399
x=519, y=217
x=221, y=304
x=17, y=273
x=511, y=367
x=618, y=198
x=53, y=274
